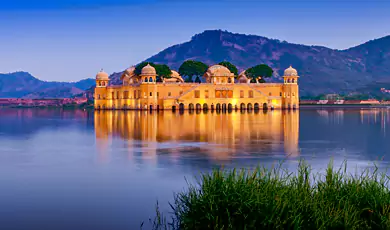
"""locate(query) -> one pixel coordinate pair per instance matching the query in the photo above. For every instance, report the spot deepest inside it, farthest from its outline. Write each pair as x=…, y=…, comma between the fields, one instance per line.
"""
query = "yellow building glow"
x=220, y=91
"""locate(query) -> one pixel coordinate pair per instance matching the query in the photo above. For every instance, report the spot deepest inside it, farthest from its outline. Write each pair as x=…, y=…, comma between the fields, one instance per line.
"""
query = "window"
x=250, y=94
x=139, y=93
x=206, y=94
x=126, y=94
x=293, y=94
x=157, y=94
x=98, y=97
x=112, y=95
x=135, y=94
x=169, y=94
x=150, y=94
x=270, y=94
x=117, y=94
x=280, y=94
x=197, y=94
x=181, y=92
x=241, y=93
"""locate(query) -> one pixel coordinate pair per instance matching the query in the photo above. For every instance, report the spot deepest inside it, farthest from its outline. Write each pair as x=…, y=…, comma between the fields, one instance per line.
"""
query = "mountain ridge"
x=22, y=84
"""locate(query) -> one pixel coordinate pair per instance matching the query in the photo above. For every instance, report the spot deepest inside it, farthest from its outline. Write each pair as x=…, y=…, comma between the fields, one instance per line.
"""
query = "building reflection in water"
x=214, y=135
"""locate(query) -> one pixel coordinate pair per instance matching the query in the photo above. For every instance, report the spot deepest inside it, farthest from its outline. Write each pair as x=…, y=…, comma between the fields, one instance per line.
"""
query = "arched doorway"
x=150, y=79
x=158, y=107
x=125, y=107
x=242, y=106
x=250, y=106
x=257, y=106
x=173, y=108
x=224, y=106
x=191, y=106
x=181, y=106
x=289, y=106
x=198, y=107
x=205, y=106
x=230, y=107
x=265, y=106
x=218, y=107
x=150, y=107
x=104, y=106
x=294, y=106
x=212, y=107
x=98, y=107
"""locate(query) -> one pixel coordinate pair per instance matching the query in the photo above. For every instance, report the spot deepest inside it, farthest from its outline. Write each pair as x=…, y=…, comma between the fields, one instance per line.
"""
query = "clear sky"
x=68, y=40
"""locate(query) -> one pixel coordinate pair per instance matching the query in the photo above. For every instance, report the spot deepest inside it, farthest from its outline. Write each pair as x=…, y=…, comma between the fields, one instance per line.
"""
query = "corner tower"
x=290, y=88
x=100, y=94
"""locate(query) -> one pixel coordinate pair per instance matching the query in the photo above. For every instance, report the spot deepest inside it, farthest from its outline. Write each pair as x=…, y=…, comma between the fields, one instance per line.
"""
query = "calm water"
x=105, y=170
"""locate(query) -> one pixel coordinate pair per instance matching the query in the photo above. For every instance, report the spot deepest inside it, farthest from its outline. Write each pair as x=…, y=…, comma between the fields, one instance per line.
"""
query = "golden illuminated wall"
x=167, y=95
x=229, y=132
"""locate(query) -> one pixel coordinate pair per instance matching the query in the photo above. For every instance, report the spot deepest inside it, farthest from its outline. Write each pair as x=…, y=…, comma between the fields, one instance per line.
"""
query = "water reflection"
x=217, y=135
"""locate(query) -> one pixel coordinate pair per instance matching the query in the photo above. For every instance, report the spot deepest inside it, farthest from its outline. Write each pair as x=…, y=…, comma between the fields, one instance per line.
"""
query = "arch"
x=242, y=106
x=146, y=79
x=223, y=106
x=212, y=107
x=249, y=106
x=150, y=107
x=125, y=107
x=218, y=107
x=294, y=106
x=173, y=108
x=104, y=107
x=265, y=106
x=205, y=106
x=151, y=79
x=230, y=106
x=98, y=107
x=229, y=80
x=289, y=80
x=257, y=106
x=191, y=106
x=181, y=106
x=293, y=80
x=289, y=106
x=198, y=107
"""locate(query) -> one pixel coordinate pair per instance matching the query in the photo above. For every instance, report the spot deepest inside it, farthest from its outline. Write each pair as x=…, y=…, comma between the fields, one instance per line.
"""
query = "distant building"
x=219, y=92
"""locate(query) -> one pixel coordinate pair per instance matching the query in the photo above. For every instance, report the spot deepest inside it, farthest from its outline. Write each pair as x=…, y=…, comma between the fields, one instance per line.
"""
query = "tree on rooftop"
x=262, y=70
x=231, y=67
x=192, y=68
x=162, y=70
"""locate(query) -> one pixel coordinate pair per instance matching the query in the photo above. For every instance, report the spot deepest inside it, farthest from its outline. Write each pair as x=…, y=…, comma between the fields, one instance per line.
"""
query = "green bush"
x=277, y=199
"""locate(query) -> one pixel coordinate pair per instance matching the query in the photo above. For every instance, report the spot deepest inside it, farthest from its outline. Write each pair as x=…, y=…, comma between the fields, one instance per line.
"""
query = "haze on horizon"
x=69, y=40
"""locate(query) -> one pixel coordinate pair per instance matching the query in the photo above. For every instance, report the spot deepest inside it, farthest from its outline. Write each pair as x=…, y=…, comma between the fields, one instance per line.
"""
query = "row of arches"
x=223, y=106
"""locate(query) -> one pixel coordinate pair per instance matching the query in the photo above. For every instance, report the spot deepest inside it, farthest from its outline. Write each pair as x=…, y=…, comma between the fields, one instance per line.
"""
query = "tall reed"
x=278, y=199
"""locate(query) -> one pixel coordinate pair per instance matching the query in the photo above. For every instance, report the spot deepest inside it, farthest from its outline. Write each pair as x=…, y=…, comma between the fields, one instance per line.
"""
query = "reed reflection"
x=219, y=135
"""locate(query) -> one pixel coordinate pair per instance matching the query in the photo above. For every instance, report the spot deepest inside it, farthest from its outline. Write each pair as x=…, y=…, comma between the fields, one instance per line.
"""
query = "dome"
x=148, y=70
x=128, y=73
x=290, y=72
x=102, y=75
x=175, y=74
x=219, y=71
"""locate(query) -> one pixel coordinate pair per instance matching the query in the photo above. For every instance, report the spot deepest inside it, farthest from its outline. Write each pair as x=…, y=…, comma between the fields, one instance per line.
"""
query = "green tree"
x=192, y=68
x=231, y=67
x=262, y=70
x=162, y=70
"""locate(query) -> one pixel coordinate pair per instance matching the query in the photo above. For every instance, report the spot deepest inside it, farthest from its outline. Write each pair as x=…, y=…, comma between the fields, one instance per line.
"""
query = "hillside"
x=322, y=70
x=24, y=85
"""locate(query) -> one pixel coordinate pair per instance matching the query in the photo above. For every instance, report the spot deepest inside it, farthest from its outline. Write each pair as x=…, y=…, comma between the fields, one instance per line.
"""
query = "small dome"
x=218, y=71
x=290, y=72
x=175, y=74
x=148, y=70
x=102, y=75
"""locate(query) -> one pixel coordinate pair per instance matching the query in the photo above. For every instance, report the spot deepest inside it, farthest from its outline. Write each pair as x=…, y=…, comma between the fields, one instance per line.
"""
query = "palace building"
x=220, y=91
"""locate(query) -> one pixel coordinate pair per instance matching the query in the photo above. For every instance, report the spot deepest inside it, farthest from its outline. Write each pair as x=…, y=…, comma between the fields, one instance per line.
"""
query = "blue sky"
x=68, y=40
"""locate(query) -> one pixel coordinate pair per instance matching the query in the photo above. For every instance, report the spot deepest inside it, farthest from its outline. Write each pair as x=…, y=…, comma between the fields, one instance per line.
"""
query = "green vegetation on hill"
x=277, y=199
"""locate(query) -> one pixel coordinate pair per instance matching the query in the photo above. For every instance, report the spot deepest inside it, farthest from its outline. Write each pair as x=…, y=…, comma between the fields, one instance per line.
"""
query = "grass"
x=277, y=199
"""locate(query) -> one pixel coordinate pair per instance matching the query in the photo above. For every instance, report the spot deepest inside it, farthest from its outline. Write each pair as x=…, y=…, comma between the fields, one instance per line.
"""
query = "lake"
x=75, y=169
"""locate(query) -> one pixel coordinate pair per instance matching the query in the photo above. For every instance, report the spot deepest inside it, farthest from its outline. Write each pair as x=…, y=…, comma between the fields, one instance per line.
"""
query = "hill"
x=322, y=70
x=24, y=85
